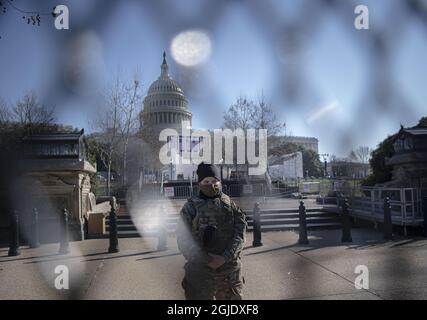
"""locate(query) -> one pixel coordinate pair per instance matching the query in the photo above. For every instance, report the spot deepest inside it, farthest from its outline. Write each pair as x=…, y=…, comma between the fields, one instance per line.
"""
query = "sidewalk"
x=325, y=269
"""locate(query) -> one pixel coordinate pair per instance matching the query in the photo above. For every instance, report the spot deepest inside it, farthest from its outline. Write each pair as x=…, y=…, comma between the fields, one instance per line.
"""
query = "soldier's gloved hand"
x=216, y=261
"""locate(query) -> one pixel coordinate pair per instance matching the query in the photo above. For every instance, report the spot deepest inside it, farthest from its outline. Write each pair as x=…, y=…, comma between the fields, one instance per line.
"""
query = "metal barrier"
x=283, y=191
x=405, y=203
x=327, y=201
x=233, y=190
x=181, y=192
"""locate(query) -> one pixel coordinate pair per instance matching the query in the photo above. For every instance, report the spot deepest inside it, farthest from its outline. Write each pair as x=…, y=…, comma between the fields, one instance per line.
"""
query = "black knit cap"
x=208, y=170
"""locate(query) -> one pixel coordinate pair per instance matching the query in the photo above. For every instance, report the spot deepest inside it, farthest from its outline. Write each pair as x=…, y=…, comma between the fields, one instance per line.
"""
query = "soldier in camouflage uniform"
x=211, y=236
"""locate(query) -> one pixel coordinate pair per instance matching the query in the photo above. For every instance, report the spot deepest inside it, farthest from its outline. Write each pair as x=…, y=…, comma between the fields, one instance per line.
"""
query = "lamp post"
x=325, y=156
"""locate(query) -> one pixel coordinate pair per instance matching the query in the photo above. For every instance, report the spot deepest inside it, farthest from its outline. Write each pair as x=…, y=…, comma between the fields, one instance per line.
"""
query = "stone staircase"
x=271, y=220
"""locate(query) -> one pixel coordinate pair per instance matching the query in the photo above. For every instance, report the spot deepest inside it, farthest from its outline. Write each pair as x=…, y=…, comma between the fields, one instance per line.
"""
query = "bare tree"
x=352, y=157
x=363, y=154
x=264, y=118
x=116, y=122
x=130, y=101
x=29, y=111
x=107, y=122
x=245, y=114
x=240, y=115
x=5, y=114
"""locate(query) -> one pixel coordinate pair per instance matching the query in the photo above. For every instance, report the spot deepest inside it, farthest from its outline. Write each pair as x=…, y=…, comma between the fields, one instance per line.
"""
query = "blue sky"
x=334, y=62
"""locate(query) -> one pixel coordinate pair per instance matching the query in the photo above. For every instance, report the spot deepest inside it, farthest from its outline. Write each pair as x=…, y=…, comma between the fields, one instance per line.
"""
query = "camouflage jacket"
x=230, y=226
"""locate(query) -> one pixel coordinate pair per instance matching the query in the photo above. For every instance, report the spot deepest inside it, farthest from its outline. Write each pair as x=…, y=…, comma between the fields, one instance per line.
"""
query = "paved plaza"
x=281, y=269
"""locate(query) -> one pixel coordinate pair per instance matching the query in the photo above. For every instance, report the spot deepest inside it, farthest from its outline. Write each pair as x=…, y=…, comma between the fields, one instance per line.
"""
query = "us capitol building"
x=166, y=106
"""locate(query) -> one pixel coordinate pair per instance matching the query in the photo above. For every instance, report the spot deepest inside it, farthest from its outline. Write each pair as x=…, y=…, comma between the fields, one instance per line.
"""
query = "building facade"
x=58, y=177
x=409, y=159
x=347, y=169
x=309, y=143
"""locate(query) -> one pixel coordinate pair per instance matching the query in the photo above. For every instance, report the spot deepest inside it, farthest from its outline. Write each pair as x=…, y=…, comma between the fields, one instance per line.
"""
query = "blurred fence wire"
x=291, y=35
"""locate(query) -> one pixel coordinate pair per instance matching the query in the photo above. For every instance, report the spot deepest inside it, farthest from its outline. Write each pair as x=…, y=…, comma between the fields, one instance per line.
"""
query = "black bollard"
x=34, y=238
x=14, y=235
x=388, y=226
x=345, y=221
x=424, y=203
x=64, y=246
x=114, y=241
x=302, y=224
x=257, y=226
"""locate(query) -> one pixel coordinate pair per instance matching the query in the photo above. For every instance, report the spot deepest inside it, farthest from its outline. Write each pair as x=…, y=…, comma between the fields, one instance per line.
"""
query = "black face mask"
x=210, y=190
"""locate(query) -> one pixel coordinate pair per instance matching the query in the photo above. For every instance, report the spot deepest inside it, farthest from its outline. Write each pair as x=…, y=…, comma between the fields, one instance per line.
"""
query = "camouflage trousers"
x=202, y=286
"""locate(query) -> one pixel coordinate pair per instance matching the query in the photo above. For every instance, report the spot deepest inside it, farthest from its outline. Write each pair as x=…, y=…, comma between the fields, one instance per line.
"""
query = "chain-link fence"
x=69, y=75
x=289, y=37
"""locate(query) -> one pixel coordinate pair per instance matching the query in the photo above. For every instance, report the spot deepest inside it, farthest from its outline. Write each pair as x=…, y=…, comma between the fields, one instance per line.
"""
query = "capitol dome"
x=164, y=86
x=165, y=105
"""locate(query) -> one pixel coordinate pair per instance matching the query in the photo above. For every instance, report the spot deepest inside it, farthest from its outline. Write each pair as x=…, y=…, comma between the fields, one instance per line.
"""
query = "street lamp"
x=325, y=156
